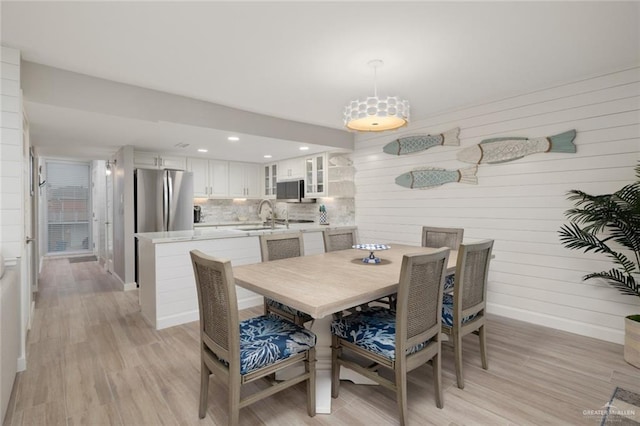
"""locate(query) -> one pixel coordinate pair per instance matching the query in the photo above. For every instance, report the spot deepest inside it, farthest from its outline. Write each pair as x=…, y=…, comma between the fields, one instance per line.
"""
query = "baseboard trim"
x=125, y=286
x=177, y=319
x=22, y=364
x=564, y=324
x=129, y=286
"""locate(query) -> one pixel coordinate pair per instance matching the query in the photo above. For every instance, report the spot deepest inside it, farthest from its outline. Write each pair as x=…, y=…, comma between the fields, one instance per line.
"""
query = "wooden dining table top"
x=326, y=283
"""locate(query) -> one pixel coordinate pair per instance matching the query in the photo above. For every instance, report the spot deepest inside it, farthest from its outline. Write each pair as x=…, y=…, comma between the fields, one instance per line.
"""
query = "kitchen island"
x=167, y=291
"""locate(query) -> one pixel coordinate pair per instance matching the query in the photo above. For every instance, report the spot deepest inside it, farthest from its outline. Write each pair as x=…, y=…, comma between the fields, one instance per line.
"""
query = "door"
x=179, y=199
x=29, y=267
x=68, y=207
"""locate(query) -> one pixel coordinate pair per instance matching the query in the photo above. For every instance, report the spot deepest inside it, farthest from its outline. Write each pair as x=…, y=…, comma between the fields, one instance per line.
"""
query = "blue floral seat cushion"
x=267, y=339
x=373, y=329
x=449, y=281
x=288, y=309
x=447, y=311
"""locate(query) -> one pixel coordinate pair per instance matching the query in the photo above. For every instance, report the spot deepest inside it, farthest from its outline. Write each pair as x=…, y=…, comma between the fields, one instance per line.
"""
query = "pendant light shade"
x=376, y=114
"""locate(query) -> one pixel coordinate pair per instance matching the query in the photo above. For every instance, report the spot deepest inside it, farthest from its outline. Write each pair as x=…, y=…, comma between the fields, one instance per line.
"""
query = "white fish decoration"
x=500, y=150
x=416, y=143
x=428, y=177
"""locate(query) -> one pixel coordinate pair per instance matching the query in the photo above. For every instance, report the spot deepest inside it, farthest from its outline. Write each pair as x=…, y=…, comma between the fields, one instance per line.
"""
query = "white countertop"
x=209, y=233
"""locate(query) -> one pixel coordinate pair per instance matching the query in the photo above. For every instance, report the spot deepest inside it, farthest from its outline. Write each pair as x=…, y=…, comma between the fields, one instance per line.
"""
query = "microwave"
x=291, y=191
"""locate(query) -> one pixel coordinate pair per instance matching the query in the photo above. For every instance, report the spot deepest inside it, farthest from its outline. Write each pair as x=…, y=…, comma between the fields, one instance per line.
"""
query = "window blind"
x=68, y=206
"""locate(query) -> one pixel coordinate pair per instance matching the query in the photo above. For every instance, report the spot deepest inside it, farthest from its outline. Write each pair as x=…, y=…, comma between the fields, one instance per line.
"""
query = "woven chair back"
x=339, y=239
x=442, y=237
x=217, y=301
x=281, y=246
x=473, y=274
x=419, y=305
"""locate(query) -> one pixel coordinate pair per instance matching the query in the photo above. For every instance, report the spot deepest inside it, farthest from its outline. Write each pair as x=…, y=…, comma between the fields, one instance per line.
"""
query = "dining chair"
x=282, y=246
x=240, y=352
x=464, y=311
x=443, y=237
x=400, y=340
x=339, y=239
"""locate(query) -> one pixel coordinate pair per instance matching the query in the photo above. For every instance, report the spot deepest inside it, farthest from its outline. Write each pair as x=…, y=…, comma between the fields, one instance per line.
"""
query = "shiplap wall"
x=11, y=160
x=519, y=204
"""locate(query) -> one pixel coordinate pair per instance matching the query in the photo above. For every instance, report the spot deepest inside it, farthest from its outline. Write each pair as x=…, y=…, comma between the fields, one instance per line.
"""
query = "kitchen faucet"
x=273, y=212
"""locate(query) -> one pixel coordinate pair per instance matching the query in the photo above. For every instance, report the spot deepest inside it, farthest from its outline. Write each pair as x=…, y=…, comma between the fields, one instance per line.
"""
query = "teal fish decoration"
x=429, y=177
x=500, y=150
x=416, y=143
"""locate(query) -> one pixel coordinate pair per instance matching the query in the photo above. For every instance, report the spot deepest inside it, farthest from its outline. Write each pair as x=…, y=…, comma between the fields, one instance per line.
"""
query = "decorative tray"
x=371, y=248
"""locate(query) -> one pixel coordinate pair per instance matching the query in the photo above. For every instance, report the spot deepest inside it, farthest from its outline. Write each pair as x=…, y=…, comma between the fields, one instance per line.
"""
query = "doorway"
x=68, y=212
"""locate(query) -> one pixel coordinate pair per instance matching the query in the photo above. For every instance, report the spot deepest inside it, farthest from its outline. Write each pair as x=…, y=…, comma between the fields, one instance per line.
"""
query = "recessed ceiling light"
x=233, y=138
x=268, y=156
x=203, y=150
x=304, y=148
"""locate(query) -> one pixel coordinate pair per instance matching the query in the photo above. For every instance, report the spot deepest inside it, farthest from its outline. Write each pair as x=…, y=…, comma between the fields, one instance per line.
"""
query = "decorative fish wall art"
x=416, y=143
x=500, y=150
x=428, y=177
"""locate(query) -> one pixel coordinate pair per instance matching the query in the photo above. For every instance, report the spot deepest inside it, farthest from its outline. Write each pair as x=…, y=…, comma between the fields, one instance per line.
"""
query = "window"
x=68, y=207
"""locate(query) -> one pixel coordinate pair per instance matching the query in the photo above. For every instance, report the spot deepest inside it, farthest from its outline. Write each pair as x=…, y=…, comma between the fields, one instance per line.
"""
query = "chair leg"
x=310, y=366
x=483, y=347
x=204, y=388
x=401, y=392
x=234, y=401
x=335, y=367
x=437, y=377
x=457, y=348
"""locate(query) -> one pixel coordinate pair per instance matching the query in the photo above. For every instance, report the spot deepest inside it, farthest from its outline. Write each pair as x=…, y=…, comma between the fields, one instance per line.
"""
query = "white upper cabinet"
x=244, y=180
x=315, y=177
x=210, y=177
x=290, y=169
x=153, y=160
x=200, y=169
x=218, y=178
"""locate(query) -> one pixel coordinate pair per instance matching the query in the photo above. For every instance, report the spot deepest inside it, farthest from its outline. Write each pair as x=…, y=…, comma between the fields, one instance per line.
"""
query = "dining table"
x=325, y=284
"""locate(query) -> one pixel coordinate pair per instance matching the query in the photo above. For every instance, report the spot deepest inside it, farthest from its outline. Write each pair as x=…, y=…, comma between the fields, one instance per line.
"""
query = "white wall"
x=521, y=203
x=9, y=334
x=11, y=167
x=123, y=220
x=14, y=291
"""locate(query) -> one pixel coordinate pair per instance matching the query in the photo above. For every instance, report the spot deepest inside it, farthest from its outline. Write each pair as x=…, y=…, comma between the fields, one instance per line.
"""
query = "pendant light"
x=376, y=114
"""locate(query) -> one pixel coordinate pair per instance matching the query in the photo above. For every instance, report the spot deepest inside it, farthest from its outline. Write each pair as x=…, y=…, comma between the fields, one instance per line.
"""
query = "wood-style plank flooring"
x=92, y=359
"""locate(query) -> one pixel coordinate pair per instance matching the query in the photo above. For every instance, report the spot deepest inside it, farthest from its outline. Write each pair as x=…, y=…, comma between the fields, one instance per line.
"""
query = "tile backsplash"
x=340, y=211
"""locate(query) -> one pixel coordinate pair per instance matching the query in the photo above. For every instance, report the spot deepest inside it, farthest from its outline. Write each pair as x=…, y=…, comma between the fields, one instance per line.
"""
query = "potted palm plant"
x=610, y=224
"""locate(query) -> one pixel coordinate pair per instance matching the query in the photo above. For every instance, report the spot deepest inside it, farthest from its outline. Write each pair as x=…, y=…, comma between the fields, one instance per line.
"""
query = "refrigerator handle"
x=165, y=201
x=170, y=202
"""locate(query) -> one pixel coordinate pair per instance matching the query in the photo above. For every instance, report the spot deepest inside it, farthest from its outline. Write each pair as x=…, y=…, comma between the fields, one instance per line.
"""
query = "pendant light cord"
x=375, y=81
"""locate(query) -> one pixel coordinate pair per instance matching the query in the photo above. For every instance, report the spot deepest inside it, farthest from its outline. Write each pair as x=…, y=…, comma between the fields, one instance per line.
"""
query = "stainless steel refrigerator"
x=163, y=202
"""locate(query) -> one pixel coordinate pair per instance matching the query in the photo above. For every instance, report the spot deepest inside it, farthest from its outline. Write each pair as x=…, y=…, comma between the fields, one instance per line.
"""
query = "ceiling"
x=304, y=61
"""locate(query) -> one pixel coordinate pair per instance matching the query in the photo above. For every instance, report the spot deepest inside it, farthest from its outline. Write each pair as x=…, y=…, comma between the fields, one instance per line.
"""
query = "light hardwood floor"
x=93, y=360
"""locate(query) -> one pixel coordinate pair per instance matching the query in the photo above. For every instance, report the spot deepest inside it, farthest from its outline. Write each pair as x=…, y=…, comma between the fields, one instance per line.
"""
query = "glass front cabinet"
x=270, y=178
x=315, y=176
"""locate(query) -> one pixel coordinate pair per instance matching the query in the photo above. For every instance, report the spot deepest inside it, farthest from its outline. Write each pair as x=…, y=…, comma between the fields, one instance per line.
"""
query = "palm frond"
x=597, y=221
x=626, y=284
